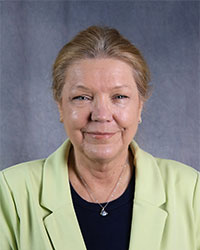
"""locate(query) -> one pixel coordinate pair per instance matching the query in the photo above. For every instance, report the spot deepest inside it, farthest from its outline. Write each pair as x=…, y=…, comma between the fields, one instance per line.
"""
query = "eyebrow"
x=82, y=87
x=121, y=86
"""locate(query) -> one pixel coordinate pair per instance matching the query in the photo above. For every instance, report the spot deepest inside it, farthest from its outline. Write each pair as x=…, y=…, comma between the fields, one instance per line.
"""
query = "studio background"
x=32, y=33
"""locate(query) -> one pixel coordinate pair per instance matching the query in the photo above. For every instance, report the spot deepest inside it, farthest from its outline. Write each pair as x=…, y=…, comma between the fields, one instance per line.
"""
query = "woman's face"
x=100, y=107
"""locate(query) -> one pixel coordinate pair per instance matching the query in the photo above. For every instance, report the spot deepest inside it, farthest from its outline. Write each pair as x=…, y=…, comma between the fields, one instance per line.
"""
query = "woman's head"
x=100, y=85
x=100, y=42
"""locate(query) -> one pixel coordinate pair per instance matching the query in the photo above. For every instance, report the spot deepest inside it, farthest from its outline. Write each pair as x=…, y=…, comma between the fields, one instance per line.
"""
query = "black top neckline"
x=120, y=201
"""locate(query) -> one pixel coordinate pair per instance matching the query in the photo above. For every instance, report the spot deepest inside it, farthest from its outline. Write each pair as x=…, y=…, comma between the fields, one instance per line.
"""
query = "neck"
x=100, y=177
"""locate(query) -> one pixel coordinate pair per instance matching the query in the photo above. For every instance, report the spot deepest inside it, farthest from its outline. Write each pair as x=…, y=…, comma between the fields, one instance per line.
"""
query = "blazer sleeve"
x=9, y=220
x=196, y=205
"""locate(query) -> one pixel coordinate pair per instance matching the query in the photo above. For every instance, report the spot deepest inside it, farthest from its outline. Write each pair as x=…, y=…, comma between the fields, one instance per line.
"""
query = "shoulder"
x=28, y=176
x=176, y=170
x=169, y=169
x=178, y=177
x=19, y=176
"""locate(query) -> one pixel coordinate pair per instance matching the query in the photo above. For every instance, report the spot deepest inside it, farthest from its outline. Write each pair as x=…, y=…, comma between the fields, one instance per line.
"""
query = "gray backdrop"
x=32, y=33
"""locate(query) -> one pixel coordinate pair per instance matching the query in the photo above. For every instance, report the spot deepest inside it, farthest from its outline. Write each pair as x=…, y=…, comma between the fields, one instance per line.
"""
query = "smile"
x=99, y=135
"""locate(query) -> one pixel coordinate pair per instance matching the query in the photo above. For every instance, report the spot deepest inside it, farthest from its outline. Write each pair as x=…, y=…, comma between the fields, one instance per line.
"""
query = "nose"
x=101, y=110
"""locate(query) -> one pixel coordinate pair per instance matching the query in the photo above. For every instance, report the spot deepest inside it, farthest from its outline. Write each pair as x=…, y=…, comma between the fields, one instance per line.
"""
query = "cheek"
x=76, y=118
x=128, y=117
x=74, y=115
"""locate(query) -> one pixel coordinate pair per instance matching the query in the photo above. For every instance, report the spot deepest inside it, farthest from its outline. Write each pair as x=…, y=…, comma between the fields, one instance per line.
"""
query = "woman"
x=99, y=190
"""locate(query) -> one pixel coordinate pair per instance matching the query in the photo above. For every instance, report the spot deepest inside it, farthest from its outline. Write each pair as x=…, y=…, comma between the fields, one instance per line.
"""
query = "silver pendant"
x=103, y=212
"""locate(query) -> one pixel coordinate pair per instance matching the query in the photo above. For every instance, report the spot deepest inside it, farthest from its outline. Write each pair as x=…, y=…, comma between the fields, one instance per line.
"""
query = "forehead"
x=100, y=73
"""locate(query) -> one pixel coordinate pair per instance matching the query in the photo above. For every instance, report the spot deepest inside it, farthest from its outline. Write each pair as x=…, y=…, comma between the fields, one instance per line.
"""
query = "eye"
x=120, y=97
x=81, y=98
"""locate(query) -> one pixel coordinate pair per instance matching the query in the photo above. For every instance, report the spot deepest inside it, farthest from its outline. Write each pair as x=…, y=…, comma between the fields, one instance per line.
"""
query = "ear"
x=59, y=105
x=141, y=104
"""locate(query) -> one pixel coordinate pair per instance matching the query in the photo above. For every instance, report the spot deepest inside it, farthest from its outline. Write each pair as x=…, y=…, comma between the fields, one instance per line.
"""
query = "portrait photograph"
x=99, y=125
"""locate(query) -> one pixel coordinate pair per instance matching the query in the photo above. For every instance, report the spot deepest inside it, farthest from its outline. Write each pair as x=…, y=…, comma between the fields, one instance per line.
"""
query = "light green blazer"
x=36, y=209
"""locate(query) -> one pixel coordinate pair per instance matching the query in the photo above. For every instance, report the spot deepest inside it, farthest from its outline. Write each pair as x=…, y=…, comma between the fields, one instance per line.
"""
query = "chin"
x=101, y=153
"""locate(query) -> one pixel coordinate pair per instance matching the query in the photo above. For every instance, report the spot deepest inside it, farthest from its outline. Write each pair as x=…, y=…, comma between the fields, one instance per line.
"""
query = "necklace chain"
x=110, y=196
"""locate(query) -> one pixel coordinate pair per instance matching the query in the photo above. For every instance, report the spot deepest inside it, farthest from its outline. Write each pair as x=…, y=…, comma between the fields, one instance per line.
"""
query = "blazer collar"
x=55, y=185
x=148, y=217
x=149, y=185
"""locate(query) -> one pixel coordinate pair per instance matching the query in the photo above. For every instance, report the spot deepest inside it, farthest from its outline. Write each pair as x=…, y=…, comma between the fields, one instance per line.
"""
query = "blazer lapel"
x=61, y=223
x=149, y=218
x=63, y=230
x=147, y=227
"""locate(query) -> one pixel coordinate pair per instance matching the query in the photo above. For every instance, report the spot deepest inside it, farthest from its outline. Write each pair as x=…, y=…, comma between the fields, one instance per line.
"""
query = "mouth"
x=100, y=135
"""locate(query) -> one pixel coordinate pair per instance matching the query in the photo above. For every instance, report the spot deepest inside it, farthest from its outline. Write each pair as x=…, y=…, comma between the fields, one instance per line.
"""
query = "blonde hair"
x=100, y=42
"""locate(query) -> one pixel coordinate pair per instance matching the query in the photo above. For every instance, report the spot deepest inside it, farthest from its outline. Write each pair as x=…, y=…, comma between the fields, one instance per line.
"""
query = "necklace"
x=103, y=212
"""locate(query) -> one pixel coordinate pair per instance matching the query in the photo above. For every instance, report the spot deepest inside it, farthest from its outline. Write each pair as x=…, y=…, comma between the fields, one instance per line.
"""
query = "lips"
x=100, y=135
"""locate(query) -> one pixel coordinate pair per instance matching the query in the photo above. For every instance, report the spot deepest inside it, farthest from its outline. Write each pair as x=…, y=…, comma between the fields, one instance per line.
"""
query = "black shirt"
x=111, y=232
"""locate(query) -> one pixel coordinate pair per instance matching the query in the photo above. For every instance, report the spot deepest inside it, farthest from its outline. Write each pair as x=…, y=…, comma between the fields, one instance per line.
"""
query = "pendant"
x=103, y=212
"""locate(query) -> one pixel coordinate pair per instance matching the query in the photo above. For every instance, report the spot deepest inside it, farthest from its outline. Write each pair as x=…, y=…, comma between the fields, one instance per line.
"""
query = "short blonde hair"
x=100, y=42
